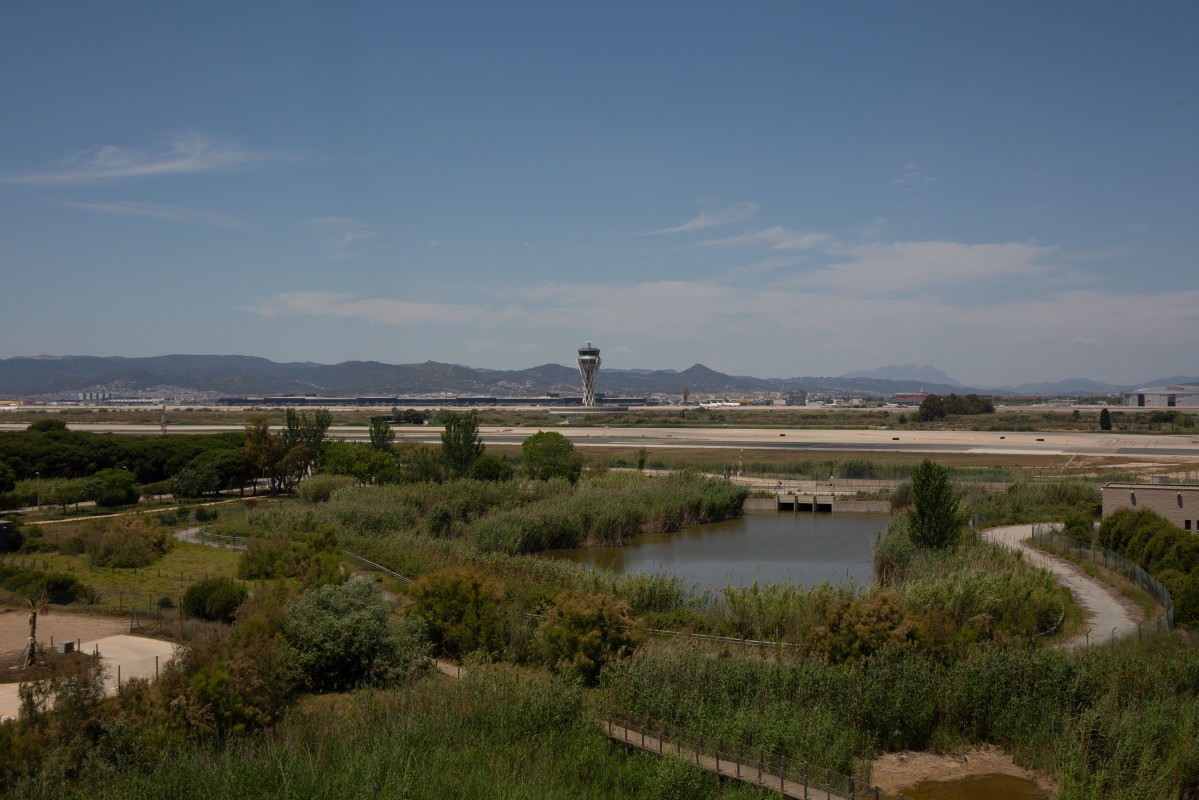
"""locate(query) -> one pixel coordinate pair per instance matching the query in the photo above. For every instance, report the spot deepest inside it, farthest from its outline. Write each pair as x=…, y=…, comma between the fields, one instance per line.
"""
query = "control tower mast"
x=589, y=364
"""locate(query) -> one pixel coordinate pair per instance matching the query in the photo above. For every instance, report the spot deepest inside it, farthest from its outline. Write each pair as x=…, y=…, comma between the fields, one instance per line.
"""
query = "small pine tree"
x=1105, y=420
x=934, y=506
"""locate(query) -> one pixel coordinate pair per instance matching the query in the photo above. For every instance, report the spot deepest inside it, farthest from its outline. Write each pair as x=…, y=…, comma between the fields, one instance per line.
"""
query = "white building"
x=1160, y=398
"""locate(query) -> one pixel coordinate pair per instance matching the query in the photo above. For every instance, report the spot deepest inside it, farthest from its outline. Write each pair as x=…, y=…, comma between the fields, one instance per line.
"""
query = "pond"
x=763, y=546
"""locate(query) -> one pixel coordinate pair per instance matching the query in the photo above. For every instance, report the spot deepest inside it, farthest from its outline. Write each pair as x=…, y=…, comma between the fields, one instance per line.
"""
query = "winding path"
x=1104, y=609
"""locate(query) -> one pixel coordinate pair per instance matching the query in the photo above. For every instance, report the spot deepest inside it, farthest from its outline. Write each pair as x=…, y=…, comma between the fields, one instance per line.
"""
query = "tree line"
x=935, y=407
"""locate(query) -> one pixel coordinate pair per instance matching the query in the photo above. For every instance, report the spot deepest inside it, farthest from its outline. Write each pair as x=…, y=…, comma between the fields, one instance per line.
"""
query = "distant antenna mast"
x=162, y=428
x=589, y=364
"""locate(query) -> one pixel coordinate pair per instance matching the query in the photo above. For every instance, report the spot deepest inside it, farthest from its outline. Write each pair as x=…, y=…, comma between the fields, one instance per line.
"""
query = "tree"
x=342, y=635
x=193, y=482
x=382, y=436
x=300, y=429
x=642, y=457
x=263, y=449
x=931, y=408
x=934, y=506
x=460, y=444
x=548, y=454
x=463, y=608
x=1105, y=420
x=489, y=468
x=582, y=632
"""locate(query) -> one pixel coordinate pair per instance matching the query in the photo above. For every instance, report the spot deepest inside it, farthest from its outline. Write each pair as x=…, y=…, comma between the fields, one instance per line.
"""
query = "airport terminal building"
x=1163, y=397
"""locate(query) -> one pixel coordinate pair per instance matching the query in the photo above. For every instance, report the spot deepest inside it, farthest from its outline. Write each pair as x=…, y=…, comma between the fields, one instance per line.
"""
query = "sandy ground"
x=14, y=630
x=123, y=657
x=1104, y=608
x=895, y=771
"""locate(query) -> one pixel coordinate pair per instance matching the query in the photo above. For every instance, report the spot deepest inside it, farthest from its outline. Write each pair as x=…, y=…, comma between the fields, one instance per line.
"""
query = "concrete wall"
x=1178, y=504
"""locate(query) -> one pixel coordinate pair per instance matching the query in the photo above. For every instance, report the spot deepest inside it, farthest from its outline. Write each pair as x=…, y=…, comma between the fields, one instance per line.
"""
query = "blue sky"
x=1007, y=191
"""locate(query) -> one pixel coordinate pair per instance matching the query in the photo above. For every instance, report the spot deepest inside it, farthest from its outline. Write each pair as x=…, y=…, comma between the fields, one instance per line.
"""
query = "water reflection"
x=768, y=547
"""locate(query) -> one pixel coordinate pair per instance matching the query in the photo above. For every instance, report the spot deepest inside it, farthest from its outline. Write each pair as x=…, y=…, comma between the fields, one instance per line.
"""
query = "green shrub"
x=319, y=488
x=463, y=609
x=343, y=636
x=214, y=599
x=582, y=632
x=264, y=559
x=126, y=542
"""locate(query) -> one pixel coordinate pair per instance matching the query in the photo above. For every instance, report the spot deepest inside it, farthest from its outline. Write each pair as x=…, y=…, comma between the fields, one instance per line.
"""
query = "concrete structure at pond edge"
x=1178, y=503
x=1162, y=398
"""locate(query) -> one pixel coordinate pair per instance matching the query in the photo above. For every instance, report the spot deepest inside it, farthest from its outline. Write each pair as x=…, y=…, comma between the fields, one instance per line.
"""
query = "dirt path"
x=1104, y=609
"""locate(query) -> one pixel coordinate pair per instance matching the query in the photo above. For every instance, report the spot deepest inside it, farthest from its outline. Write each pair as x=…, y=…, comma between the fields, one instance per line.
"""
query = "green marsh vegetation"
x=937, y=654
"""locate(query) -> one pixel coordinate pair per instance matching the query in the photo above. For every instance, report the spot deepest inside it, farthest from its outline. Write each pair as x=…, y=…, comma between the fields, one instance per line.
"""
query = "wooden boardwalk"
x=753, y=772
x=764, y=771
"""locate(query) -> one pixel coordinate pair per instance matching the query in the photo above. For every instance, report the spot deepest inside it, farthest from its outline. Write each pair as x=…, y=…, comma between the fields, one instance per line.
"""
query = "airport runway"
x=999, y=443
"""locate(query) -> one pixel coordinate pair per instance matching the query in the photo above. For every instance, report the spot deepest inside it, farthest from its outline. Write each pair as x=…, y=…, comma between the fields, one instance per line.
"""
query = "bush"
x=489, y=468
x=126, y=542
x=264, y=559
x=214, y=599
x=582, y=632
x=319, y=488
x=463, y=609
x=206, y=514
x=57, y=587
x=342, y=636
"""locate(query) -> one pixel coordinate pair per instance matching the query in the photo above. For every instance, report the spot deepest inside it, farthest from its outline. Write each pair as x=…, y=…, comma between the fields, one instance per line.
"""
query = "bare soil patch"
x=895, y=771
x=63, y=626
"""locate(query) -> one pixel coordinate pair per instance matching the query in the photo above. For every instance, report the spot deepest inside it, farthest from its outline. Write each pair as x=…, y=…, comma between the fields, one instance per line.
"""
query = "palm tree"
x=32, y=653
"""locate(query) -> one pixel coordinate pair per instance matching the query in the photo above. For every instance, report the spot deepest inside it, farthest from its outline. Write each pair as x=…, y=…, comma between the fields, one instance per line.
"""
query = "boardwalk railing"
x=790, y=777
x=1048, y=537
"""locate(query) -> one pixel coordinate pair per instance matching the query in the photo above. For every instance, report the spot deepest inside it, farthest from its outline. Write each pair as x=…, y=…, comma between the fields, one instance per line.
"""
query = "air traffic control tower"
x=589, y=364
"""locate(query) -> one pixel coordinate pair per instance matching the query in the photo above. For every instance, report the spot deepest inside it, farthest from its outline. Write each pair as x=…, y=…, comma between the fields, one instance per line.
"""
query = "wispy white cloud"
x=170, y=213
x=193, y=152
x=776, y=238
x=911, y=175
x=900, y=266
x=381, y=310
x=341, y=232
x=711, y=219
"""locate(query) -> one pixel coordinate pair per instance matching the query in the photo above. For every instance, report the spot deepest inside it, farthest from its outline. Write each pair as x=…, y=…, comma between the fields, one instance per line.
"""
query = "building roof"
x=1165, y=390
x=1173, y=487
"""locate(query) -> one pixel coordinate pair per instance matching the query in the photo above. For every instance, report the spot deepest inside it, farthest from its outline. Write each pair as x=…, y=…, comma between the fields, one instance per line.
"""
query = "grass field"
x=123, y=589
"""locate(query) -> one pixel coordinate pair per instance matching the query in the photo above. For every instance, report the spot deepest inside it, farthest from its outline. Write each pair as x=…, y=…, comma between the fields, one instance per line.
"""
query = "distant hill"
x=1070, y=386
x=1177, y=380
x=48, y=376
x=905, y=372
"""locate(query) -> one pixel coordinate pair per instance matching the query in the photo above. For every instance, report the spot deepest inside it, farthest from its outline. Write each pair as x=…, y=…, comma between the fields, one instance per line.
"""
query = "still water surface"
x=764, y=546
x=977, y=787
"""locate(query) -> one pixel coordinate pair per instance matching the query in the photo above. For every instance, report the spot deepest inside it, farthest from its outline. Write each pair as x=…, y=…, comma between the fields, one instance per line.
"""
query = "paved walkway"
x=123, y=657
x=1104, y=609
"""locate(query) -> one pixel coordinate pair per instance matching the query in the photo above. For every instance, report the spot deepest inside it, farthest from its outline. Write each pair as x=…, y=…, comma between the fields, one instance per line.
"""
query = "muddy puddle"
x=977, y=787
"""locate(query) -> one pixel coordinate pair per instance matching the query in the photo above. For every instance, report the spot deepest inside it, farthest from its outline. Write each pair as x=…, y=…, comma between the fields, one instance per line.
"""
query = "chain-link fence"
x=791, y=777
x=1048, y=537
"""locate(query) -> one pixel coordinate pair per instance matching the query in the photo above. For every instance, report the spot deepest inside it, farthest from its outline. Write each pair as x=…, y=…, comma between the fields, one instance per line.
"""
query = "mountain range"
x=44, y=376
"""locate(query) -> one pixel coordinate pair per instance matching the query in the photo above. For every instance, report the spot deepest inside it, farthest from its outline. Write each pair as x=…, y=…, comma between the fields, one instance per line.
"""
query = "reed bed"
x=494, y=734
x=1113, y=722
